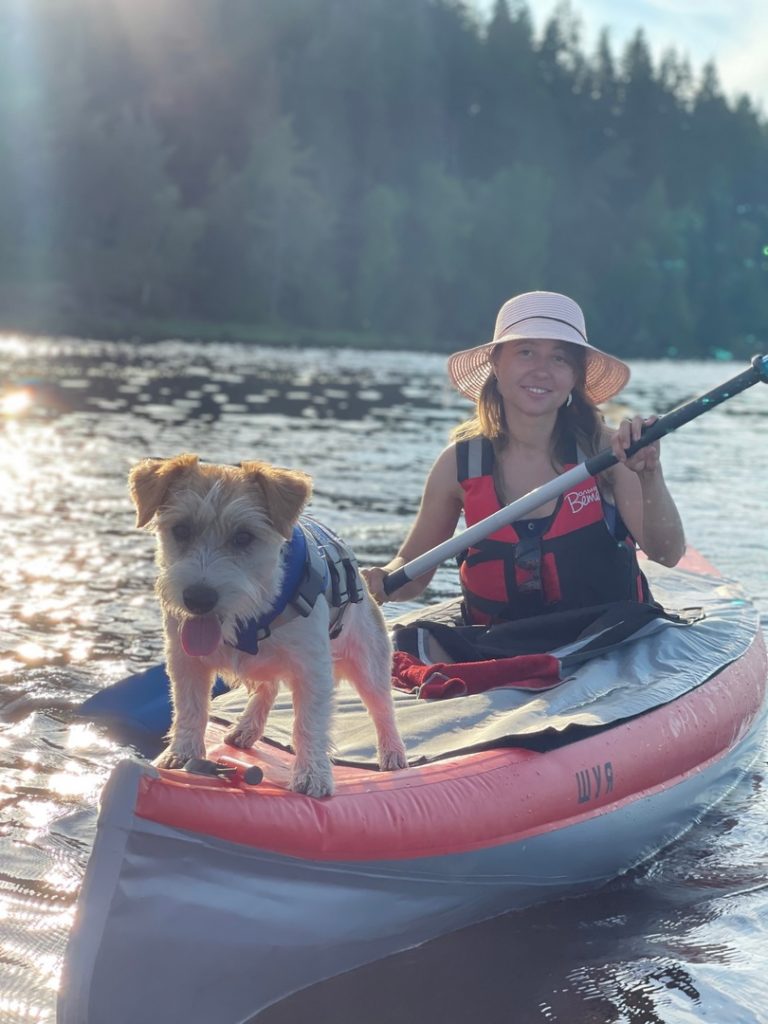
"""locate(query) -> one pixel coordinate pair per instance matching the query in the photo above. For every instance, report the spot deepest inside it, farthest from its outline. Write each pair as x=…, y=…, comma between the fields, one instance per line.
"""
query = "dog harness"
x=316, y=562
x=581, y=555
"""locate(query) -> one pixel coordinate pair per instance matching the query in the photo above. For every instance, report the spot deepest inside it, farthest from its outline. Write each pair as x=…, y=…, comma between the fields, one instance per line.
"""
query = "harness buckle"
x=528, y=565
x=303, y=605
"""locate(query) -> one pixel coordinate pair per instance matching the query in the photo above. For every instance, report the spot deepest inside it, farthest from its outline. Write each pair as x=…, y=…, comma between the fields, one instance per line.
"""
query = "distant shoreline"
x=137, y=329
x=148, y=330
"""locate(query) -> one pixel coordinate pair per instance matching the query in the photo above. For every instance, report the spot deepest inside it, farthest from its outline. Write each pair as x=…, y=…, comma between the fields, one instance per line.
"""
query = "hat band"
x=556, y=319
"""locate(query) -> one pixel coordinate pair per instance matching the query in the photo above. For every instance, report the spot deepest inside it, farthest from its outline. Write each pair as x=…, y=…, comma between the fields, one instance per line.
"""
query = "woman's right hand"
x=374, y=578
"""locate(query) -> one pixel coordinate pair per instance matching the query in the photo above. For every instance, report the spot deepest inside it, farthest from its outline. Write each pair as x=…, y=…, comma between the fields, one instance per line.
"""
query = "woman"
x=537, y=385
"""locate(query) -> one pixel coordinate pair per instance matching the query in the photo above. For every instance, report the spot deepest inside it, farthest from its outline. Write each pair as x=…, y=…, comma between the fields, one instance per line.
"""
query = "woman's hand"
x=374, y=578
x=647, y=460
x=642, y=496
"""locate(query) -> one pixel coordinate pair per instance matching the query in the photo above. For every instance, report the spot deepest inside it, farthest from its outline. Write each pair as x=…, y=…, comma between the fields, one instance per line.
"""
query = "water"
x=681, y=940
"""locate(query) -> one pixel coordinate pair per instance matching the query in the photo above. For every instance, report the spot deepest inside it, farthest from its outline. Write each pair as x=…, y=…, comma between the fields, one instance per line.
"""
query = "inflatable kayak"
x=208, y=898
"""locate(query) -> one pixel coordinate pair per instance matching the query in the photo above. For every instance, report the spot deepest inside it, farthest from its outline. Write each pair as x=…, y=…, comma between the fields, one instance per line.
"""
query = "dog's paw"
x=393, y=760
x=175, y=759
x=241, y=737
x=314, y=781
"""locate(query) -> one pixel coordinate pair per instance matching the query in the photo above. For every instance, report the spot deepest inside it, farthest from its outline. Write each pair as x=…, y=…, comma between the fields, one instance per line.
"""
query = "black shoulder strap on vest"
x=611, y=517
x=474, y=458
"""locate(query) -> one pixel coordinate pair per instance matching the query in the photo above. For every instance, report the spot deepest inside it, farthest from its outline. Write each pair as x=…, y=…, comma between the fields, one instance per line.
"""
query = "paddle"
x=140, y=703
x=143, y=701
x=523, y=507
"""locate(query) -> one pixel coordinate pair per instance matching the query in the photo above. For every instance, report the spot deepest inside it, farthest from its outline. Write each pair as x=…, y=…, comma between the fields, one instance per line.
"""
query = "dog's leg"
x=366, y=662
x=191, y=682
x=312, y=685
x=250, y=725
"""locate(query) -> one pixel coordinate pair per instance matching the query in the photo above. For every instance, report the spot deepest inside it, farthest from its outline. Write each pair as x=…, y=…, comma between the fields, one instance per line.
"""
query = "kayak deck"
x=501, y=795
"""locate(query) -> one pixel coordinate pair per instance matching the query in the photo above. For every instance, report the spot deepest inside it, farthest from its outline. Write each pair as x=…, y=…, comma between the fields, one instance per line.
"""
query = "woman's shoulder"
x=446, y=460
x=443, y=475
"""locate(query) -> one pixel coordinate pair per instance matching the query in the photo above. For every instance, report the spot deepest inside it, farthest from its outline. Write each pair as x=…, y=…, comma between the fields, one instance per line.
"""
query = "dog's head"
x=220, y=530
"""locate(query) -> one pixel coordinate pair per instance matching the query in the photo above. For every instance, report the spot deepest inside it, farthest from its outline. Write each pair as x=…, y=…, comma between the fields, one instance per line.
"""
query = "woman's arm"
x=436, y=520
x=642, y=496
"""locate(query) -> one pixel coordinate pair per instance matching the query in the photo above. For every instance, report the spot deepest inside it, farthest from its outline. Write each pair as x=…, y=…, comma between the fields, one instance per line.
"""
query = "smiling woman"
x=537, y=384
x=544, y=371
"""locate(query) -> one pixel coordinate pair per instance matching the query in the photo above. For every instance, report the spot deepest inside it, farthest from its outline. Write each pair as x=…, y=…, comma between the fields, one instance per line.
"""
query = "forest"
x=373, y=172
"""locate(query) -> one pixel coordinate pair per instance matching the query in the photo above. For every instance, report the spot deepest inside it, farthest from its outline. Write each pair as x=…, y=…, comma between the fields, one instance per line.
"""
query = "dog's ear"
x=150, y=480
x=286, y=492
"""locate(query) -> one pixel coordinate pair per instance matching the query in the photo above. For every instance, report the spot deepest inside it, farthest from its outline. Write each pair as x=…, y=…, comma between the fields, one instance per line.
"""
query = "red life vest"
x=571, y=559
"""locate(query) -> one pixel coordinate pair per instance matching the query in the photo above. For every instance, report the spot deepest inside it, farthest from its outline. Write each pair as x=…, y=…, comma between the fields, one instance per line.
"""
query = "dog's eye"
x=181, y=532
x=242, y=539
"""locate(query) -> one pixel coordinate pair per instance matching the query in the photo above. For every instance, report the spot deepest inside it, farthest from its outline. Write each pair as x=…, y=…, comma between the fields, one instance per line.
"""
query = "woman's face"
x=535, y=377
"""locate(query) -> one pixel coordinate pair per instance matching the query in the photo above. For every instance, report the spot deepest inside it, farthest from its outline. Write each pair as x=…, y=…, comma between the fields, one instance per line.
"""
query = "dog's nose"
x=200, y=598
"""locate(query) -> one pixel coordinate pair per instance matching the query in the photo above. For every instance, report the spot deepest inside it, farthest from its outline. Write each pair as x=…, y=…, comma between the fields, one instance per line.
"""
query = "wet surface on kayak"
x=682, y=940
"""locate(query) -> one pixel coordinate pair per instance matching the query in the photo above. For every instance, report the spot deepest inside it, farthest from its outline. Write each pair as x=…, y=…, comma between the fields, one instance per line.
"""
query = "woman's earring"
x=570, y=399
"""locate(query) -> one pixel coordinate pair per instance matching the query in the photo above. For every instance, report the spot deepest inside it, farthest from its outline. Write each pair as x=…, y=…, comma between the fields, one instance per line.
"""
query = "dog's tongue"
x=200, y=635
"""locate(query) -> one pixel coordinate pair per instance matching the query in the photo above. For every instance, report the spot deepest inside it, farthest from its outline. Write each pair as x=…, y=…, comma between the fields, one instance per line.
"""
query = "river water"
x=683, y=939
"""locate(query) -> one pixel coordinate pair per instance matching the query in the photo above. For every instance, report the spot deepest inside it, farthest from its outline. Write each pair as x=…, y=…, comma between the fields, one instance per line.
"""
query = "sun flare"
x=15, y=403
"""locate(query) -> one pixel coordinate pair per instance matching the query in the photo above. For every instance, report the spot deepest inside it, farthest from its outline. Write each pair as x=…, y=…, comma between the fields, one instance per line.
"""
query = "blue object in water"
x=141, y=701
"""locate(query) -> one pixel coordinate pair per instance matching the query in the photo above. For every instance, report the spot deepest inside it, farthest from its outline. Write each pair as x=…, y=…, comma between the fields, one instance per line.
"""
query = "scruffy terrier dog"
x=221, y=534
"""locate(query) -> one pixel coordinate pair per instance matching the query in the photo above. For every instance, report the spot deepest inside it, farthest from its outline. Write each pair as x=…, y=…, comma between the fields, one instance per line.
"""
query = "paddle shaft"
x=521, y=508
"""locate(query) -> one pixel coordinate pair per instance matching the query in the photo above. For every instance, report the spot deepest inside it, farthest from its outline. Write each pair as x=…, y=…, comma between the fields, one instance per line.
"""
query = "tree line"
x=383, y=170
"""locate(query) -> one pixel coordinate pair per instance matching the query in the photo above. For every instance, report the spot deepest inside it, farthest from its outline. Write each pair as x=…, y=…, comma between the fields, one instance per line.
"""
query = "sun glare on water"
x=15, y=403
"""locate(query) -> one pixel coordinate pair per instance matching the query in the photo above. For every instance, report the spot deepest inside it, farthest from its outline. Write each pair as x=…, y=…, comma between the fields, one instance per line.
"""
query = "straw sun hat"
x=539, y=316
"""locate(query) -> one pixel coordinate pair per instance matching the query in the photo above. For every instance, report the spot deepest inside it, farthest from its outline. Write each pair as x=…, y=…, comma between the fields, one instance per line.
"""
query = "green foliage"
x=269, y=232
x=382, y=213
x=375, y=169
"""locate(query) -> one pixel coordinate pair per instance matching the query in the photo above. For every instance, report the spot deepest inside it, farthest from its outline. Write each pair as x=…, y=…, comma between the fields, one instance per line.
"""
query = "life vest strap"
x=318, y=563
x=582, y=553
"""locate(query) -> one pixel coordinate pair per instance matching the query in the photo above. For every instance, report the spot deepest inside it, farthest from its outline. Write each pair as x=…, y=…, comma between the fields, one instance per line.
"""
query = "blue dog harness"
x=316, y=562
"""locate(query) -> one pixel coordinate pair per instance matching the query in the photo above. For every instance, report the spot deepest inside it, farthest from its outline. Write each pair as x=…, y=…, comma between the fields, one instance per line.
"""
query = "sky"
x=734, y=33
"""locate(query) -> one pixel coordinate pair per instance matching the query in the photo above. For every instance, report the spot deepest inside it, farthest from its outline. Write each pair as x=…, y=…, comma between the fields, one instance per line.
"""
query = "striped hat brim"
x=606, y=375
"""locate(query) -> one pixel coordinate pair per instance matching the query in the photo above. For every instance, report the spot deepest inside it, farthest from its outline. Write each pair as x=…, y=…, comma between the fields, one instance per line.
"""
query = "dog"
x=222, y=534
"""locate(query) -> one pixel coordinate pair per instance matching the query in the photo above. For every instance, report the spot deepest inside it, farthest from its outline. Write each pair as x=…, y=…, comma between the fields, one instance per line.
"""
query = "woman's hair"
x=581, y=420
